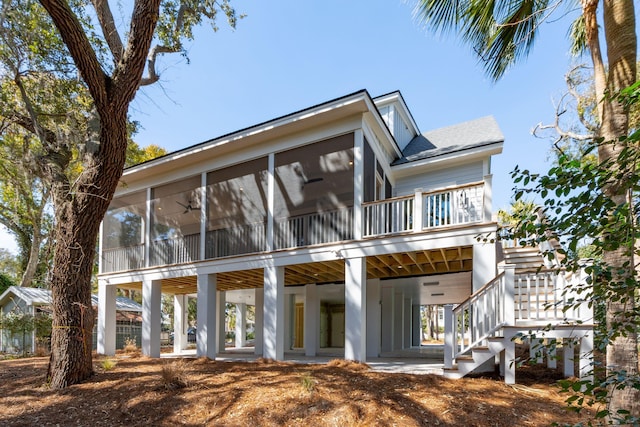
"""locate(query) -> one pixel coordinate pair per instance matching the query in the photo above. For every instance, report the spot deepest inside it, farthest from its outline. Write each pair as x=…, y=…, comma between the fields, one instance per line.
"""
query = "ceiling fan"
x=188, y=207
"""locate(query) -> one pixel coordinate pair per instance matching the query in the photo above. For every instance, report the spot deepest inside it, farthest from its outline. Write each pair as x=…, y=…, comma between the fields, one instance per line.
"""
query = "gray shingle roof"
x=459, y=137
x=37, y=296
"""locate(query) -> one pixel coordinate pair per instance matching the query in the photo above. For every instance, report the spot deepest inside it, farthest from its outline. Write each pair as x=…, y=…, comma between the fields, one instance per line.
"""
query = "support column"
x=274, y=312
x=106, y=318
x=221, y=319
x=416, y=326
x=151, y=317
x=449, y=336
x=551, y=350
x=398, y=323
x=586, y=357
x=358, y=183
x=179, y=323
x=484, y=264
x=241, y=325
x=406, y=339
x=509, y=361
x=259, y=325
x=488, y=198
x=536, y=350
x=373, y=317
x=355, y=316
x=311, y=319
x=567, y=357
x=387, y=316
x=206, y=328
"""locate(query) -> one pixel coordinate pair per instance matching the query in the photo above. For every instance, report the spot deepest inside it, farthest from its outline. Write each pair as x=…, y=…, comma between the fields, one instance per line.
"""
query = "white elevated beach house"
x=337, y=222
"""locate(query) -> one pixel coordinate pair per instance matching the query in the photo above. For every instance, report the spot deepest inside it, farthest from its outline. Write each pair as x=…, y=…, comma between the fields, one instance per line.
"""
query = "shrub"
x=174, y=375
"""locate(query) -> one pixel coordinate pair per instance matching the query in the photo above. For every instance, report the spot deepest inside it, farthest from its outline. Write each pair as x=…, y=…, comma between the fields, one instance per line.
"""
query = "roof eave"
x=256, y=130
x=442, y=160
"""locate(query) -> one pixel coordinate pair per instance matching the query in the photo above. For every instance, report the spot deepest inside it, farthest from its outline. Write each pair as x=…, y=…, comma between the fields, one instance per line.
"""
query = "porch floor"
x=417, y=360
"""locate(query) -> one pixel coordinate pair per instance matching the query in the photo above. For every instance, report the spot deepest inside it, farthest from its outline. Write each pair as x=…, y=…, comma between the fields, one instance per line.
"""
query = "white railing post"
x=449, y=336
x=488, y=198
x=417, y=211
x=509, y=290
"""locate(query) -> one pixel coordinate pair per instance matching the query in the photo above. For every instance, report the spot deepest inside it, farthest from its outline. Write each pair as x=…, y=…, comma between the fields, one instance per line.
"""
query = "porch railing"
x=242, y=239
x=414, y=213
x=424, y=210
x=512, y=299
x=388, y=216
x=123, y=258
x=313, y=229
x=175, y=251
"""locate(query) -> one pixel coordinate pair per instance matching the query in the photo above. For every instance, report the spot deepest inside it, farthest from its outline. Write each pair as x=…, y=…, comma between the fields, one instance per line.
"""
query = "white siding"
x=397, y=125
x=458, y=175
x=401, y=131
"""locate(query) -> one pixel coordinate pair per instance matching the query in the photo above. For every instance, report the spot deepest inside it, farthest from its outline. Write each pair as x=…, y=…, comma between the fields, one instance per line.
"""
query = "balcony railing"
x=455, y=206
x=314, y=229
x=175, y=251
x=243, y=239
x=123, y=258
x=415, y=213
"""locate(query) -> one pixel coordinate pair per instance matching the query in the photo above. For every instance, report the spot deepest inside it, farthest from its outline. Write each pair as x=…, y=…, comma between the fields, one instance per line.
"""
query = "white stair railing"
x=479, y=316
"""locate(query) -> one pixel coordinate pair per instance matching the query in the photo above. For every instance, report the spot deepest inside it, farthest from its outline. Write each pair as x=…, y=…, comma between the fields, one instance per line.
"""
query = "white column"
x=274, y=312
x=484, y=264
x=259, y=325
x=311, y=319
x=449, y=336
x=586, y=357
x=509, y=361
x=271, y=197
x=536, y=350
x=241, y=325
x=203, y=216
x=355, y=315
x=221, y=319
x=106, y=318
x=374, y=315
x=406, y=338
x=488, y=197
x=398, y=323
x=358, y=183
x=552, y=354
x=418, y=210
x=567, y=355
x=206, y=328
x=100, y=242
x=387, y=316
x=151, y=317
x=179, y=323
x=416, y=326
x=147, y=228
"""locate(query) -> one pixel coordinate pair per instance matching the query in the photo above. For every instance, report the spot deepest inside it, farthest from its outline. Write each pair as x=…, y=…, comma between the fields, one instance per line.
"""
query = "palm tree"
x=502, y=32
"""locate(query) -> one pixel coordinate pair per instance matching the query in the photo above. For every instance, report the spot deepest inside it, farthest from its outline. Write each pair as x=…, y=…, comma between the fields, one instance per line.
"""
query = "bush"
x=174, y=375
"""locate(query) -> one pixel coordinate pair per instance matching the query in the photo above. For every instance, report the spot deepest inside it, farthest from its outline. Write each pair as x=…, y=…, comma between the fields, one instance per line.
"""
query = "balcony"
x=420, y=212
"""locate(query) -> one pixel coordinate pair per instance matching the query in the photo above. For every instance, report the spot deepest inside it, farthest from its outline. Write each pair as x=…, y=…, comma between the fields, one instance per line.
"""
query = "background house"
x=37, y=302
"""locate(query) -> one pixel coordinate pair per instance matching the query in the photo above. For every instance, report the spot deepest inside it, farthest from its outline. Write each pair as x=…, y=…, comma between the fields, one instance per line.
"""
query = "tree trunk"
x=34, y=254
x=77, y=225
x=622, y=353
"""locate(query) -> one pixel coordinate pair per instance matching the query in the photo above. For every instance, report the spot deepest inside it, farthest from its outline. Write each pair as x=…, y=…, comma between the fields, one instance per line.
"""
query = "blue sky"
x=287, y=55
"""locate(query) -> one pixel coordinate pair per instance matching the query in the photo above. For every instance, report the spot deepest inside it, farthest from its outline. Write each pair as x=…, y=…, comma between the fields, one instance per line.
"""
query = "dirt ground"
x=140, y=391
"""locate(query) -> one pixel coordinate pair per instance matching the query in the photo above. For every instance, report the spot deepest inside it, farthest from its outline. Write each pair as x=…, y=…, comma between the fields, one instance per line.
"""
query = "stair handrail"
x=480, y=316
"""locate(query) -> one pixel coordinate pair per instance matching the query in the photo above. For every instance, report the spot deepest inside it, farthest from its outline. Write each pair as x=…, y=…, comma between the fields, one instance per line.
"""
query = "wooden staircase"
x=523, y=300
